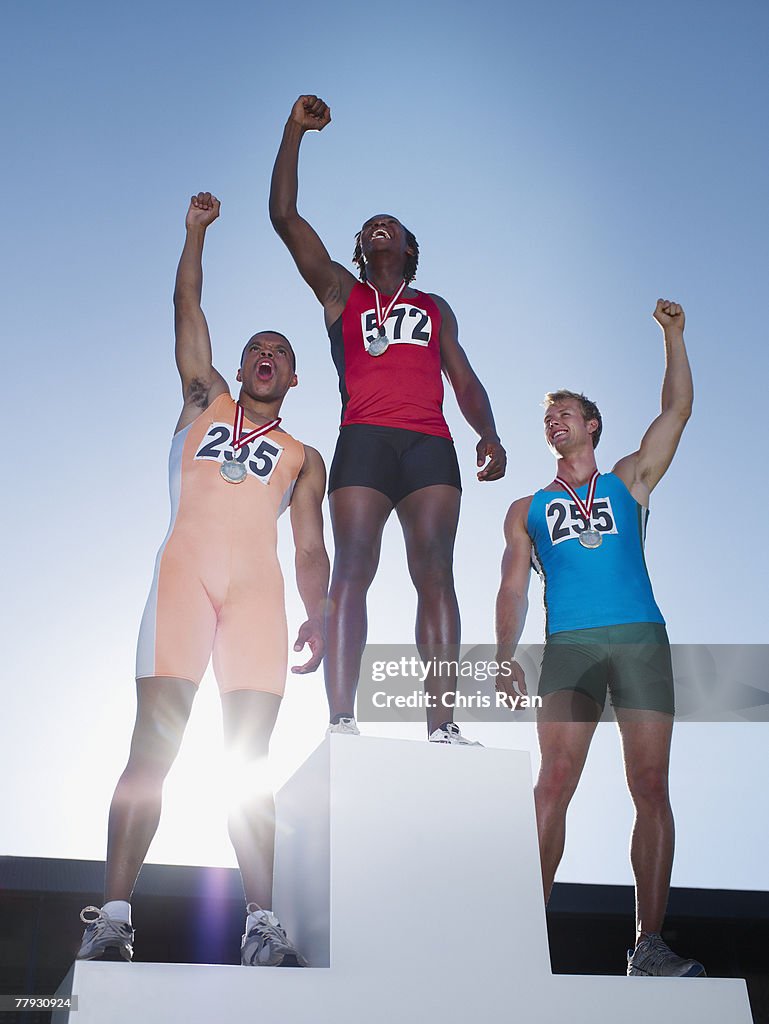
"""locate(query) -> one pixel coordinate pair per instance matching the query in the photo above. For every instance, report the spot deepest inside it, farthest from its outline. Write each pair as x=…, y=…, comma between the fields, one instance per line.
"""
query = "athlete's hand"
x=310, y=635
x=669, y=314
x=311, y=113
x=490, y=448
x=204, y=209
x=512, y=686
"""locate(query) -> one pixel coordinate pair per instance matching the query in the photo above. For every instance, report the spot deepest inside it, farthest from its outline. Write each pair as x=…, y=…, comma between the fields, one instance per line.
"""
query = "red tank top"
x=403, y=387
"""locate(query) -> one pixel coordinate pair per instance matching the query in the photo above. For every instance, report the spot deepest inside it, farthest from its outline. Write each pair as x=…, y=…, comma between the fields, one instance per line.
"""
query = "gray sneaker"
x=344, y=727
x=266, y=944
x=652, y=957
x=104, y=938
x=449, y=733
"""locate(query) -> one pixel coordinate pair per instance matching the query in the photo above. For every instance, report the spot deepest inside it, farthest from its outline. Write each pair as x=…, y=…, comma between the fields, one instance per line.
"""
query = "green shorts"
x=632, y=661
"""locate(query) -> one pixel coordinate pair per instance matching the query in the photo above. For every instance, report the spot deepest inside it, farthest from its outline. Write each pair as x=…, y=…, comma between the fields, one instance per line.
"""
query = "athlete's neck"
x=385, y=273
x=576, y=469
x=257, y=411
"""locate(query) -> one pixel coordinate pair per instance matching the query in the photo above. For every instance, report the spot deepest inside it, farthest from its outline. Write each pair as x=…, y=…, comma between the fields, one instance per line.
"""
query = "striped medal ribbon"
x=589, y=538
x=231, y=470
x=381, y=343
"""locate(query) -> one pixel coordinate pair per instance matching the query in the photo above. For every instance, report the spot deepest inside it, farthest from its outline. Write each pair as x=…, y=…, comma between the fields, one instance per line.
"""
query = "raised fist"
x=311, y=113
x=669, y=314
x=204, y=209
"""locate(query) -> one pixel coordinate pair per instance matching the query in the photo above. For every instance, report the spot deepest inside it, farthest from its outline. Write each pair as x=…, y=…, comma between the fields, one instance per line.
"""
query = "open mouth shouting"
x=380, y=233
x=265, y=370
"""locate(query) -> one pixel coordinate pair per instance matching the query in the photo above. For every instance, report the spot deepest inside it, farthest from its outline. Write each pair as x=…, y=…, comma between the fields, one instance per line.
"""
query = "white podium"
x=408, y=875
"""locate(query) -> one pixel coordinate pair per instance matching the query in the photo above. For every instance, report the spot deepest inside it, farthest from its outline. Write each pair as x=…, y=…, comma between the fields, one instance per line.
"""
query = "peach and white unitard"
x=218, y=587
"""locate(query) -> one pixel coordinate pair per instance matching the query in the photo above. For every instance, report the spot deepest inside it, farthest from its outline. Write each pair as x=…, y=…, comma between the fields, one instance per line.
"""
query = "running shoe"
x=344, y=727
x=266, y=944
x=105, y=938
x=449, y=733
x=652, y=957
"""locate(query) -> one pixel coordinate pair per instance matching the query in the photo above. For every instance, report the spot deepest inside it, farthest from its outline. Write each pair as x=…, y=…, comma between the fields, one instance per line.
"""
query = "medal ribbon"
x=381, y=317
x=239, y=441
x=586, y=507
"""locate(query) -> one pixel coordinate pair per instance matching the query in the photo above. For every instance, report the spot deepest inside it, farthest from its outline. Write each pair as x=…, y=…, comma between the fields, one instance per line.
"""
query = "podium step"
x=408, y=875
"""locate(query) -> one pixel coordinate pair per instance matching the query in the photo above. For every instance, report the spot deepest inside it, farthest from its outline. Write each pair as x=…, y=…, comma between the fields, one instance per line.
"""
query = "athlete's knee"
x=249, y=748
x=154, y=747
x=558, y=778
x=248, y=787
x=355, y=564
x=649, y=786
x=432, y=569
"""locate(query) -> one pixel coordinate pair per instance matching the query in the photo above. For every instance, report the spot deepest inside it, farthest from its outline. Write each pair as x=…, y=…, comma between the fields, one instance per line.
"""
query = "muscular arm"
x=312, y=565
x=201, y=383
x=642, y=470
x=330, y=281
x=513, y=596
x=471, y=395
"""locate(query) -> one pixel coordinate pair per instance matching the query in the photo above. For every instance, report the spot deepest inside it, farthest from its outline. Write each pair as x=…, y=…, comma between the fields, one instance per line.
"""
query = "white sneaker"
x=449, y=733
x=265, y=944
x=344, y=727
x=105, y=938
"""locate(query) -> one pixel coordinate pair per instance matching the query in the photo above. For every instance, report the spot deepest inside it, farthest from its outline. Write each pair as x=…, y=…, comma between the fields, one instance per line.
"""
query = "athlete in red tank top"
x=405, y=390
x=390, y=344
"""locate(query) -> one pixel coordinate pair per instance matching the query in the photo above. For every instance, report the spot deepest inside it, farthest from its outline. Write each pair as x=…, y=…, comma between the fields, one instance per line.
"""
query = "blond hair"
x=589, y=409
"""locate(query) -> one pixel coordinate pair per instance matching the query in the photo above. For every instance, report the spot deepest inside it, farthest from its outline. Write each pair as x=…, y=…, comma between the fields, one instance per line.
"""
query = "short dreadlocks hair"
x=589, y=409
x=412, y=259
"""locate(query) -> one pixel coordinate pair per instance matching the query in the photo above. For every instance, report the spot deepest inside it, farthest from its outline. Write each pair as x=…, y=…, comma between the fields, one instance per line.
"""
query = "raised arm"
x=642, y=470
x=513, y=596
x=471, y=396
x=330, y=281
x=312, y=566
x=201, y=383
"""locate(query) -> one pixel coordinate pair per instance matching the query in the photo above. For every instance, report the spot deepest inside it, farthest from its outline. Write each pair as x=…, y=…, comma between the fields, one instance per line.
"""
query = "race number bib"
x=566, y=522
x=406, y=325
x=260, y=456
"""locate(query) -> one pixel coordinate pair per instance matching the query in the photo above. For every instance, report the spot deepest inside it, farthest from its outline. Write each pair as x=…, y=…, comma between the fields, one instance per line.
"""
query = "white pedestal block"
x=408, y=875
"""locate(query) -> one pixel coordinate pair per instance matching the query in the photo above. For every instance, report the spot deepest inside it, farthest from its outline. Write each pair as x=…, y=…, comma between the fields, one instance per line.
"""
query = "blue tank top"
x=586, y=588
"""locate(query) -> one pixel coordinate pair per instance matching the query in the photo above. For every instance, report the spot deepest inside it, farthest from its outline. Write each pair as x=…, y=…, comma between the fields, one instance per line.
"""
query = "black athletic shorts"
x=393, y=461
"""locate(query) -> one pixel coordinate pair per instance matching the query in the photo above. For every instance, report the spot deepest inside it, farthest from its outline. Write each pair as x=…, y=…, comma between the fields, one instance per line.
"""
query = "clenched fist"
x=669, y=314
x=204, y=209
x=311, y=113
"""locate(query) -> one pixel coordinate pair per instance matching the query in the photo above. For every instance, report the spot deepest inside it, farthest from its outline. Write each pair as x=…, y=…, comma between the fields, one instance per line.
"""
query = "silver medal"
x=590, y=538
x=379, y=345
x=233, y=472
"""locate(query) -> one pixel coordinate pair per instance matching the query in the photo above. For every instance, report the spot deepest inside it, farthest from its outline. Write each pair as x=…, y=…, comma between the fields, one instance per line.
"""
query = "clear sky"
x=562, y=166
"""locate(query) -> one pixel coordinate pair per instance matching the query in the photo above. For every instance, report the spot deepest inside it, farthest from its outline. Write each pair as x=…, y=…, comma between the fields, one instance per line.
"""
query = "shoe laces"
x=656, y=954
x=266, y=923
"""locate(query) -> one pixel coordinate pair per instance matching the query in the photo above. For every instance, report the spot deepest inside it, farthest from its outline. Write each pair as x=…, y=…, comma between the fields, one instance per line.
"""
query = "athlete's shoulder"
x=313, y=460
x=440, y=302
x=312, y=454
x=311, y=480
x=626, y=472
x=356, y=290
x=518, y=513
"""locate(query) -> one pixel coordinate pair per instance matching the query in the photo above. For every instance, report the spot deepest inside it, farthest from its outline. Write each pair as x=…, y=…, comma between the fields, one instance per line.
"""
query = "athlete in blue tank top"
x=584, y=533
x=604, y=586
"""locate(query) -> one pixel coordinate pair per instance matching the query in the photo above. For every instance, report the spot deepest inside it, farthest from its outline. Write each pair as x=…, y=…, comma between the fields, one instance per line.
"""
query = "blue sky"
x=562, y=166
